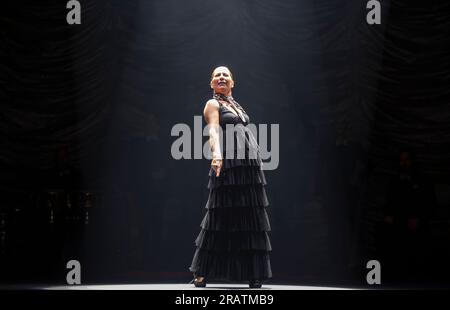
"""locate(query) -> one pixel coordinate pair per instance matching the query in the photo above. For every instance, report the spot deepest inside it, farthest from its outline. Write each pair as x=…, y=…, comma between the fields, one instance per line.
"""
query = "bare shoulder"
x=212, y=103
x=211, y=106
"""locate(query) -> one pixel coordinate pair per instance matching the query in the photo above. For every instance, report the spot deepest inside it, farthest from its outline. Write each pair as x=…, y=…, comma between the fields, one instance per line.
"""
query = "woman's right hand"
x=216, y=164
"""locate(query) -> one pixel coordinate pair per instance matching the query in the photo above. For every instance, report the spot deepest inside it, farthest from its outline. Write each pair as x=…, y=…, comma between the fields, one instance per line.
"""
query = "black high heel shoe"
x=199, y=283
x=254, y=284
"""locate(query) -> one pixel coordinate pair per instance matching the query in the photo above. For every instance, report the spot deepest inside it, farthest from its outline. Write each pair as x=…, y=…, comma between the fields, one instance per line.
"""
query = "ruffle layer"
x=237, y=176
x=237, y=196
x=233, y=241
x=236, y=219
x=229, y=163
x=234, y=266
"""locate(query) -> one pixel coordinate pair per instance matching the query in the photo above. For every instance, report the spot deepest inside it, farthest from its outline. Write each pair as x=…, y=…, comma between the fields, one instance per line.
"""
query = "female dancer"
x=233, y=243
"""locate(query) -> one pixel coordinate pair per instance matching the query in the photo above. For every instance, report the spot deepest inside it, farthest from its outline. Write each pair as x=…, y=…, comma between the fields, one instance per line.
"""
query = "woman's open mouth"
x=222, y=84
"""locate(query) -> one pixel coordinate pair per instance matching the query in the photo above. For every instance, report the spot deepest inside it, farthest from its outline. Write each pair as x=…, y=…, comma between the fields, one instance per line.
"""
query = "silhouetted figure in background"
x=409, y=206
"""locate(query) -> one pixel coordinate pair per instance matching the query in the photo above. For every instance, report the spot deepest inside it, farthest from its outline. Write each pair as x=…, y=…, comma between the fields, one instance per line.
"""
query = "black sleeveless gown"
x=233, y=243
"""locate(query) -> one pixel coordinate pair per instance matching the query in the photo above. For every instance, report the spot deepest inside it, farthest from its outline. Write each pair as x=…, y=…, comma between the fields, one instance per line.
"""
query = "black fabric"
x=234, y=104
x=233, y=243
x=240, y=175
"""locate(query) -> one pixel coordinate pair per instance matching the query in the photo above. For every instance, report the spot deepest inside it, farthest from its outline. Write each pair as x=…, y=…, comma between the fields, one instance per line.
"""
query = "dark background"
x=87, y=110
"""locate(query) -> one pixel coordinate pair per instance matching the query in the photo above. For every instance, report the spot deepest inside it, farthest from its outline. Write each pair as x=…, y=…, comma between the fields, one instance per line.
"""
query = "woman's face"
x=222, y=81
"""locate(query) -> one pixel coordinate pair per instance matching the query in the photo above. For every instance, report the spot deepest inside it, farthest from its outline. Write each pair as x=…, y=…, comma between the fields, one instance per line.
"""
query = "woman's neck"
x=226, y=95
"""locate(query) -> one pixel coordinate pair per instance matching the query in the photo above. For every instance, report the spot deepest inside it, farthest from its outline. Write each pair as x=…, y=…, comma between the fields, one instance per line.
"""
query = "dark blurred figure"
x=66, y=176
x=405, y=237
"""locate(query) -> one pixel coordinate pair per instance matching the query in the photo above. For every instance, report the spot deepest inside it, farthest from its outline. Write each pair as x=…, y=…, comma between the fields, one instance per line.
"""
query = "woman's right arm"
x=211, y=114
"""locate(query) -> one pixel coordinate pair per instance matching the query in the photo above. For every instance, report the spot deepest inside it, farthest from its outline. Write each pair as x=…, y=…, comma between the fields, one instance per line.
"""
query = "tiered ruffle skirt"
x=233, y=243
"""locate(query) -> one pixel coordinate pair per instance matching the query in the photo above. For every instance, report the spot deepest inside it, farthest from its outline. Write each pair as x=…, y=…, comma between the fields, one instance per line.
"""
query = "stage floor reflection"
x=210, y=286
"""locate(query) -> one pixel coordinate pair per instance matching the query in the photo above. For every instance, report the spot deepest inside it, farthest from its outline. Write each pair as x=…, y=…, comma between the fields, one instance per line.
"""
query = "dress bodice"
x=228, y=117
x=242, y=136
